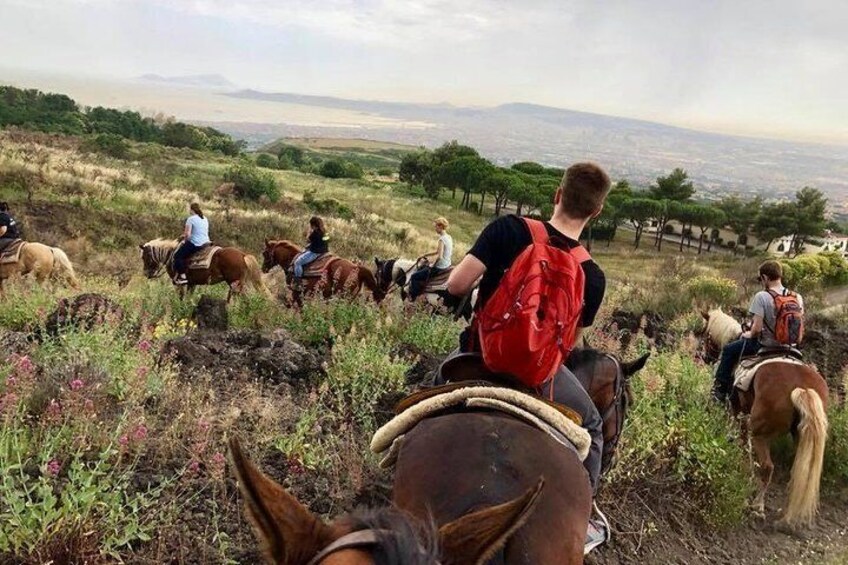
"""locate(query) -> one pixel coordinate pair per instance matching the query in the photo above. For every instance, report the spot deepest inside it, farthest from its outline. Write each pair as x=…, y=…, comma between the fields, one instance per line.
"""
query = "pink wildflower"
x=54, y=409
x=194, y=466
x=124, y=440
x=8, y=400
x=77, y=384
x=203, y=425
x=142, y=372
x=218, y=459
x=11, y=381
x=144, y=346
x=140, y=433
x=53, y=468
x=24, y=365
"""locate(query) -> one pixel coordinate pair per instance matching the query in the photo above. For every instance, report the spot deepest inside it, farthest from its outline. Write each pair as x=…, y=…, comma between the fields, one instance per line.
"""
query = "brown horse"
x=292, y=535
x=451, y=463
x=229, y=264
x=340, y=276
x=42, y=262
x=786, y=398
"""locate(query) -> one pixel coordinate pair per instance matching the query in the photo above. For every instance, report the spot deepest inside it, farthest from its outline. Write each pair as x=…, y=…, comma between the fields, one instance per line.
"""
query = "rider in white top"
x=443, y=255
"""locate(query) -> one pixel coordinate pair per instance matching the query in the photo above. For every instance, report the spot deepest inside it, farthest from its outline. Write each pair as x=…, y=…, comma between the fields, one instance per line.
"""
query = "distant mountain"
x=638, y=150
x=201, y=81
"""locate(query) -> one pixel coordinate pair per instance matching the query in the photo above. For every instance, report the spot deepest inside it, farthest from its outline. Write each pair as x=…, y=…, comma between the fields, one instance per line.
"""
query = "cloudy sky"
x=774, y=68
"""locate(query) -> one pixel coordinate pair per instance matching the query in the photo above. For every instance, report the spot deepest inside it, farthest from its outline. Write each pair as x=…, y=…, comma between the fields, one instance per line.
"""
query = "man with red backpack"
x=538, y=288
x=778, y=322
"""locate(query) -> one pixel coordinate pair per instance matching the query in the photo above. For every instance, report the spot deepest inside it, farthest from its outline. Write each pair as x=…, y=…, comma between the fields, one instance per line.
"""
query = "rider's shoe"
x=598, y=532
x=180, y=279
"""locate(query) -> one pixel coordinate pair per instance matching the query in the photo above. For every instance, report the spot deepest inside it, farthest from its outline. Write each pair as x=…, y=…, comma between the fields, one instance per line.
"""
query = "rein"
x=617, y=405
x=393, y=285
x=359, y=539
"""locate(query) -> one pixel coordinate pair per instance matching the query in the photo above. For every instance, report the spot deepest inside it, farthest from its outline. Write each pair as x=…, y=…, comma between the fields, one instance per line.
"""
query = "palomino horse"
x=42, y=262
x=340, y=276
x=783, y=398
x=292, y=535
x=395, y=274
x=229, y=264
x=450, y=463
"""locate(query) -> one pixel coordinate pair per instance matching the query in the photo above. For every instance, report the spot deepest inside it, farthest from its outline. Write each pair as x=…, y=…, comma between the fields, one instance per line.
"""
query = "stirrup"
x=599, y=531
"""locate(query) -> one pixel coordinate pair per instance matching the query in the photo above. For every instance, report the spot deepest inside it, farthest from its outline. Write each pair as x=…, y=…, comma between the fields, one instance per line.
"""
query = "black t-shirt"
x=11, y=226
x=503, y=240
x=317, y=242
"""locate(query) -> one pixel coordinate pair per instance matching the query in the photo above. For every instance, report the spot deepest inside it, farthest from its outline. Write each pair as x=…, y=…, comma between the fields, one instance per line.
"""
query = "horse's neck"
x=163, y=252
x=285, y=254
x=403, y=267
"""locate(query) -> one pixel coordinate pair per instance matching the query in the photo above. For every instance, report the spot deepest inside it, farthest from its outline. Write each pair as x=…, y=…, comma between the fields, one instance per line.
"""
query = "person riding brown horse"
x=339, y=277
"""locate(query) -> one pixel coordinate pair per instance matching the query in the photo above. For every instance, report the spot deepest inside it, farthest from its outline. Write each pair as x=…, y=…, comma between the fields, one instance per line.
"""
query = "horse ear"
x=706, y=315
x=141, y=246
x=289, y=532
x=476, y=537
x=633, y=367
x=267, y=241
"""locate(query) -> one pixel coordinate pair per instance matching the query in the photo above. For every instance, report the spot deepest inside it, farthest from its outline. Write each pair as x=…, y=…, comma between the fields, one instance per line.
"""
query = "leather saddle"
x=202, y=258
x=765, y=353
x=438, y=282
x=10, y=249
x=468, y=370
x=315, y=269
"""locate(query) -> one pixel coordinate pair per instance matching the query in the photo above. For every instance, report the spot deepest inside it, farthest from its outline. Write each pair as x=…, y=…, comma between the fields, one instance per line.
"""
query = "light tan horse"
x=783, y=398
x=43, y=263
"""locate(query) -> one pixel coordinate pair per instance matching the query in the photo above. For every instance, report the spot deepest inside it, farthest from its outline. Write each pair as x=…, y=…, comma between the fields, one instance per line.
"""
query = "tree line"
x=58, y=113
x=528, y=188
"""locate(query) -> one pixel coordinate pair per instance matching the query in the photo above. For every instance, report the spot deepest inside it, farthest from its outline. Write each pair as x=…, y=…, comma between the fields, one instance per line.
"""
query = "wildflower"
x=194, y=466
x=142, y=372
x=54, y=409
x=77, y=384
x=144, y=346
x=53, y=468
x=218, y=459
x=23, y=365
x=124, y=440
x=203, y=425
x=140, y=433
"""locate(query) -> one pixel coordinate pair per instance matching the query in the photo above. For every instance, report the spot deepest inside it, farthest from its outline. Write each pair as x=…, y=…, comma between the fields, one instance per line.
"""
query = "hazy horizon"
x=764, y=69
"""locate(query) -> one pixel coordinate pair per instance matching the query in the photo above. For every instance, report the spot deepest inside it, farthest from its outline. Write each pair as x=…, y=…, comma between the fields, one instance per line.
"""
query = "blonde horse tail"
x=254, y=274
x=65, y=268
x=804, y=483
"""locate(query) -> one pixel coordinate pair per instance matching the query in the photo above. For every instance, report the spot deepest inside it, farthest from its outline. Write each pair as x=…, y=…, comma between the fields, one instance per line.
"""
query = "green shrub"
x=836, y=450
x=110, y=144
x=253, y=184
x=340, y=169
x=711, y=291
x=433, y=334
x=267, y=161
x=673, y=430
x=328, y=206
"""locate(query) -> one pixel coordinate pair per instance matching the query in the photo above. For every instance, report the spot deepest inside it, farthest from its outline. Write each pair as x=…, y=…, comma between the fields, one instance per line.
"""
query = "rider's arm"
x=756, y=327
x=465, y=275
x=187, y=231
x=437, y=253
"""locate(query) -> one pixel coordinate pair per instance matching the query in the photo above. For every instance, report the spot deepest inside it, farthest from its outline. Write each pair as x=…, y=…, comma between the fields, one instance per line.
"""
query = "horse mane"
x=584, y=356
x=161, y=243
x=402, y=539
x=722, y=328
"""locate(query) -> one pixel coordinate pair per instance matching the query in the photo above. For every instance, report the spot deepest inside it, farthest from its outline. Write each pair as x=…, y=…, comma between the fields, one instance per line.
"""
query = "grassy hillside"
x=371, y=155
x=113, y=438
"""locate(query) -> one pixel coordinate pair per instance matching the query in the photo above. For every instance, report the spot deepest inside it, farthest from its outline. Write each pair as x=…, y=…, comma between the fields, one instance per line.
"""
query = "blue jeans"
x=302, y=261
x=730, y=355
x=182, y=255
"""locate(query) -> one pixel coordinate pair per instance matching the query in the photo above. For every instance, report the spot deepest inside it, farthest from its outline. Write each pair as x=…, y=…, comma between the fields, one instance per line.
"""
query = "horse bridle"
x=162, y=257
x=354, y=540
x=393, y=284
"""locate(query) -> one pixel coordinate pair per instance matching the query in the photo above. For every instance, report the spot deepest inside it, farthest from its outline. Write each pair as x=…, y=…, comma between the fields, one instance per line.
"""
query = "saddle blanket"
x=12, y=252
x=744, y=374
x=522, y=406
x=203, y=258
x=316, y=268
x=438, y=283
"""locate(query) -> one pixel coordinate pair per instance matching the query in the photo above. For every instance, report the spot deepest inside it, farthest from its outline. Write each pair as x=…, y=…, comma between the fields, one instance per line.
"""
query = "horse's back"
x=456, y=463
x=772, y=411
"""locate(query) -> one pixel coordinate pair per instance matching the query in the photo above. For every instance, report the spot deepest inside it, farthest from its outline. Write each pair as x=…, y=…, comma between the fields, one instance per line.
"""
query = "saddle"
x=744, y=374
x=10, y=250
x=315, y=269
x=202, y=258
x=439, y=282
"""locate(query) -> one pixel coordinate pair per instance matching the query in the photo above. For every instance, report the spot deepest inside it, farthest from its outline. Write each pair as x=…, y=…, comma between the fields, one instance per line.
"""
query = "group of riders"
x=497, y=266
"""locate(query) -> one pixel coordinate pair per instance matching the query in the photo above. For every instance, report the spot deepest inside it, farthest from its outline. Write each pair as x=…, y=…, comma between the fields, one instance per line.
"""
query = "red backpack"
x=528, y=326
x=788, y=318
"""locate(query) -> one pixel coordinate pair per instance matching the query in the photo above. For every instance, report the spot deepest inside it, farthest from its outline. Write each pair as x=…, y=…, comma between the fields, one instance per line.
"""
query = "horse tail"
x=804, y=483
x=367, y=278
x=60, y=260
x=254, y=274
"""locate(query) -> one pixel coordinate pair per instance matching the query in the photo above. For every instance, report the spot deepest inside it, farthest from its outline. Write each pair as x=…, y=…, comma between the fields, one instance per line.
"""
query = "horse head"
x=607, y=379
x=278, y=252
x=292, y=535
x=384, y=273
x=155, y=255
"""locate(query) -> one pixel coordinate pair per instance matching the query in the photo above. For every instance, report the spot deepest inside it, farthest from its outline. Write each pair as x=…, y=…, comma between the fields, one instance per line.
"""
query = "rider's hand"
x=746, y=335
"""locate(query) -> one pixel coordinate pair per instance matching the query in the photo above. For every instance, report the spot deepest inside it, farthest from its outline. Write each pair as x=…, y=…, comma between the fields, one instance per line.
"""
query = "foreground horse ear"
x=633, y=367
x=141, y=246
x=267, y=241
x=476, y=537
x=288, y=531
x=706, y=315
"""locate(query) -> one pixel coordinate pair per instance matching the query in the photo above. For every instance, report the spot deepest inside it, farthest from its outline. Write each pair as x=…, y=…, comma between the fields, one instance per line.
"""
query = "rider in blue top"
x=196, y=235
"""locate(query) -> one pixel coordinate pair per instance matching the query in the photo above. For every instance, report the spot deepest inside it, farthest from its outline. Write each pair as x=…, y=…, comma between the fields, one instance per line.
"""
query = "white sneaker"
x=598, y=532
x=181, y=280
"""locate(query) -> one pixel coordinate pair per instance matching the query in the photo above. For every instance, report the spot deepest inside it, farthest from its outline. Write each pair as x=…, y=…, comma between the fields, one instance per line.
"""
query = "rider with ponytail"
x=195, y=236
x=318, y=245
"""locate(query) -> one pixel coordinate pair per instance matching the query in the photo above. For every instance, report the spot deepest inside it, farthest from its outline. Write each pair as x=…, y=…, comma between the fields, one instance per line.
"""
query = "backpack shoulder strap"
x=538, y=231
x=580, y=254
